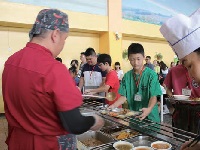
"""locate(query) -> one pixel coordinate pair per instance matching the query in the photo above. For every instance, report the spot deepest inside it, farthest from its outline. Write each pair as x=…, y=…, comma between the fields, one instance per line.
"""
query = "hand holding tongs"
x=194, y=141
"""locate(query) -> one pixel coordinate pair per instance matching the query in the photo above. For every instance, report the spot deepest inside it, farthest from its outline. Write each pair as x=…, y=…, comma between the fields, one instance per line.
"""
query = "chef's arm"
x=74, y=122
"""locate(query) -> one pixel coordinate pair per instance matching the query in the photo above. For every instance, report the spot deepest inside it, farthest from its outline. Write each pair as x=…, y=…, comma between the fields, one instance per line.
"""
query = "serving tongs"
x=110, y=96
x=194, y=141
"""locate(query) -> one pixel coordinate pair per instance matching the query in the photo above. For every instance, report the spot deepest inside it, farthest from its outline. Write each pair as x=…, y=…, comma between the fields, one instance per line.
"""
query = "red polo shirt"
x=177, y=79
x=113, y=81
x=35, y=87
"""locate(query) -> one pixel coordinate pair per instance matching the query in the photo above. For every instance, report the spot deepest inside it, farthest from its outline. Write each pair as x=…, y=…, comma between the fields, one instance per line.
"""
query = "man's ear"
x=55, y=35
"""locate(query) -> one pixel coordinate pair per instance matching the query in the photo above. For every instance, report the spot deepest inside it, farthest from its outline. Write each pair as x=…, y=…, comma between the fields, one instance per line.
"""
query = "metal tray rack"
x=158, y=131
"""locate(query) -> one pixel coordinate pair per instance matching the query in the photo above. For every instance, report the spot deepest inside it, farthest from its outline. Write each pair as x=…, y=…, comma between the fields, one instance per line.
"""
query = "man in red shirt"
x=41, y=99
x=111, y=83
x=177, y=79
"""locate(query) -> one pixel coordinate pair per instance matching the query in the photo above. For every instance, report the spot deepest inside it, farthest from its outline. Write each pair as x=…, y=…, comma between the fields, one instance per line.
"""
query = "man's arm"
x=169, y=92
x=81, y=83
x=147, y=111
x=119, y=102
x=74, y=122
x=195, y=147
x=103, y=88
x=103, y=81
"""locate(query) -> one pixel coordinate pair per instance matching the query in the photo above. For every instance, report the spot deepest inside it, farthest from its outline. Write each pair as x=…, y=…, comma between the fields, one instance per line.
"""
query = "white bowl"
x=181, y=97
x=161, y=142
x=116, y=144
x=143, y=148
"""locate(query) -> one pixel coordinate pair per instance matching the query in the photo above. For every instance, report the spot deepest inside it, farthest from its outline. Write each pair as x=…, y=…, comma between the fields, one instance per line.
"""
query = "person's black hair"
x=73, y=69
x=163, y=66
x=177, y=63
x=135, y=48
x=59, y=59
x=117, y=63
x=149, y=57
x=103, y=58
x=161, y=81
x=90, y=52
x=74, y=60
x=197, y=51
x=82, y=53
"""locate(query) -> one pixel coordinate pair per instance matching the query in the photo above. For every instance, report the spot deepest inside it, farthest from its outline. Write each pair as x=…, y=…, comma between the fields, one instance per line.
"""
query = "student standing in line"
x=112, y=83
x=140, y=86
x=92, y=76
x=119, y=71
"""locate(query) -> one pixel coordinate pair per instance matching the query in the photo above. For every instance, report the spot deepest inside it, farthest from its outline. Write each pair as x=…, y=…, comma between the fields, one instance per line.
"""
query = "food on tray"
x=121, y=116
x=104, y=112
x=92, y=142
x=132, y=113
x=125, y=134
x=113, y=114
x=143, y=148
x=195, y=99
x=111, y=130
x=123, y=145
x=160, y=146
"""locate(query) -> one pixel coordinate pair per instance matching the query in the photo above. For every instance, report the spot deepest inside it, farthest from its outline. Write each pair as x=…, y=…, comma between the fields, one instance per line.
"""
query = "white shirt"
x=120, y=73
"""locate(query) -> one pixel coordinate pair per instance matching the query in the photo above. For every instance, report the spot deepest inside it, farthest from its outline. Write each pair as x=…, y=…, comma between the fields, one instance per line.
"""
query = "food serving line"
x=127, y=128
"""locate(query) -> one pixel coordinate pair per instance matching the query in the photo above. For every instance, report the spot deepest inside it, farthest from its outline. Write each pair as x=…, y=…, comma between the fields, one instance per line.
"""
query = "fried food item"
x=113, y=114
x=195, y=99
x=121, y=116
x=132, y=113
x=160, y=146
x=125, y=134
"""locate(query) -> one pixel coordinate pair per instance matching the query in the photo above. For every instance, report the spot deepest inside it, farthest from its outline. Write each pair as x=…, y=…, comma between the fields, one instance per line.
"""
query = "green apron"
x=148, y=87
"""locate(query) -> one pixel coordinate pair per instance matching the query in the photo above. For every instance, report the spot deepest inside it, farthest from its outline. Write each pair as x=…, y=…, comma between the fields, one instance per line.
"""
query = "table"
x=186, y=115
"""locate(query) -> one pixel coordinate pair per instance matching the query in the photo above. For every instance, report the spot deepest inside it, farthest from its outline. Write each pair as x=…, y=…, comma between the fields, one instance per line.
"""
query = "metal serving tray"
x=92, y=135
x=112, y=129
x=108, y=123
x=136, y=141
x=142, y=141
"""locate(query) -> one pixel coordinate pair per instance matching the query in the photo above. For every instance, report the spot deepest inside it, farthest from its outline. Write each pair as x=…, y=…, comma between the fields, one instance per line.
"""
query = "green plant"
x=125, y=54
x=158, y=56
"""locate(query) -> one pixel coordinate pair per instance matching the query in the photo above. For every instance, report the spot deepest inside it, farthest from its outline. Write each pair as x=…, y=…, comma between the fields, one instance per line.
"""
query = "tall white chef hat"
x=183, y=33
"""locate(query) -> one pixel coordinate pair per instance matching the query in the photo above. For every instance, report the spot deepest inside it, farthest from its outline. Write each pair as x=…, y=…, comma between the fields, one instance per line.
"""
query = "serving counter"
x=186, y=115
x=128, y=128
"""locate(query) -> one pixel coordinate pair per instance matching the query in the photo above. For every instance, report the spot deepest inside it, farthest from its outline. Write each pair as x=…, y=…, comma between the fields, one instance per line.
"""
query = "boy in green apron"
x=140, y=86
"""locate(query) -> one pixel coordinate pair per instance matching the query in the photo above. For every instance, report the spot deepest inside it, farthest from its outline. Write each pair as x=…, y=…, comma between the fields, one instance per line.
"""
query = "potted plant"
x=158, y=56
x=125, y=54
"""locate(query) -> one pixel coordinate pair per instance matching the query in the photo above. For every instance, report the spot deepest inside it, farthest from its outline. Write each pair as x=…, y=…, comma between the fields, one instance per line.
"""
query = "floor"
x=3, y=132
x=4, y=128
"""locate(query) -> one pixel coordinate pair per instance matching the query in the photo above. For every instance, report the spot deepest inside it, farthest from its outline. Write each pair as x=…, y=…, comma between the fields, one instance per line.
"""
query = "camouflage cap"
x=51, y=19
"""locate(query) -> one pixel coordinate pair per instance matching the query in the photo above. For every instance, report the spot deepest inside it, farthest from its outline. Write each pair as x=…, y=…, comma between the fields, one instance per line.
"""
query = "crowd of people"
x=42, y=97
